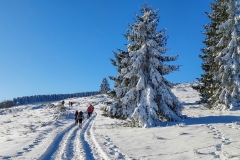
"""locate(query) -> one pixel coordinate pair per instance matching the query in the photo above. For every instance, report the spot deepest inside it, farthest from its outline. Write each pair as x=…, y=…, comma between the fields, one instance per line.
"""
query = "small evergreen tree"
x=142, y=94
x=104, y=88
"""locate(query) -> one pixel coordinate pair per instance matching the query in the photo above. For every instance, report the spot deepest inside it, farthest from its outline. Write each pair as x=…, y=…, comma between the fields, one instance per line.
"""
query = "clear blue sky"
x=61, y=46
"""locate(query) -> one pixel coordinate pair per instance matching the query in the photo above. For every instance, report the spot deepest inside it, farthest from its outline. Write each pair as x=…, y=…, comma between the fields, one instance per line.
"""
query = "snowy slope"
x=38, y=131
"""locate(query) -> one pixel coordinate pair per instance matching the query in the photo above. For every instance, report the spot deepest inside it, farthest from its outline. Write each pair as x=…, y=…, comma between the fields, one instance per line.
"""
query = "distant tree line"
x=52, y=97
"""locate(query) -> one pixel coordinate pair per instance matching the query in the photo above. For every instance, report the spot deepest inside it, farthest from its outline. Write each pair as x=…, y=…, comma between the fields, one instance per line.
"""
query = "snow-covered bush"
x=59, y=110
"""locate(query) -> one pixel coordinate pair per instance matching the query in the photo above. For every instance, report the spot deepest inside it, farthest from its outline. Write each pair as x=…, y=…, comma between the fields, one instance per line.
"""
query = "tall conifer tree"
x=144, y=95
x=207, y=83
x=227, y=77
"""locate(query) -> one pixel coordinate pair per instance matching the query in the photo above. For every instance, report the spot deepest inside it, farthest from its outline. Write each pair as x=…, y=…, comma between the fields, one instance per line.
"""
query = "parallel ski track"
x=65, y=150
x=75, y=143
x=88, y=136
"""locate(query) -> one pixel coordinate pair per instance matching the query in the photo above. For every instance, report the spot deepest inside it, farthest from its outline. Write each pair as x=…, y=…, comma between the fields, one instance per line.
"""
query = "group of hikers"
x=70, y=103
x=79, y=116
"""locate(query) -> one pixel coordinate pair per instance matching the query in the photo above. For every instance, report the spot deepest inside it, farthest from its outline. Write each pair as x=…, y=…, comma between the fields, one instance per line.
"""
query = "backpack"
x=89, y=109
x=80, y=115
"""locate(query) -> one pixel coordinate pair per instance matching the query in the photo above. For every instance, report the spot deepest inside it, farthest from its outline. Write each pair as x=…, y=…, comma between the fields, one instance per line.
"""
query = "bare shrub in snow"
x=6, y=104
x=195, y=150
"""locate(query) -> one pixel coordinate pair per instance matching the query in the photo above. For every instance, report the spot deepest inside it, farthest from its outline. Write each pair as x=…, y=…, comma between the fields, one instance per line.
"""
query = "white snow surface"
x=37, y=131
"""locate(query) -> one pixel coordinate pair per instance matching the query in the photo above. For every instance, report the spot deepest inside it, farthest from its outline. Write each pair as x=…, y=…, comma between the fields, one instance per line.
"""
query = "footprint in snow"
x=108, y=139
x=6, y=157
x=19, y=153
x=106, y=143
x=113, y=149
x=218, y=147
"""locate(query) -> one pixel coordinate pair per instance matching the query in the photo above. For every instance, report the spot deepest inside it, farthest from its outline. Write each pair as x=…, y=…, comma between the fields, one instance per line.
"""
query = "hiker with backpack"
x=76, y=117
x=90, y=110
x=80, y=118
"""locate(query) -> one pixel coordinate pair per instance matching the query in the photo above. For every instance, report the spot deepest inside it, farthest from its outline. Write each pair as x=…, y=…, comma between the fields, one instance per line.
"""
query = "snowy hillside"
x=38, y=131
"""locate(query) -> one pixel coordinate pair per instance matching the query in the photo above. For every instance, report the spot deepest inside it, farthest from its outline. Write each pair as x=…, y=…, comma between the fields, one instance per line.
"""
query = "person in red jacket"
x=89, y=110
x=92, y=109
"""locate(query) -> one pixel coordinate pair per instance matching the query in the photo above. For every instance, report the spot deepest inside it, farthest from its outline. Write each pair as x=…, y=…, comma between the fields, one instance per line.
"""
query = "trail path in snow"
x=75, y=143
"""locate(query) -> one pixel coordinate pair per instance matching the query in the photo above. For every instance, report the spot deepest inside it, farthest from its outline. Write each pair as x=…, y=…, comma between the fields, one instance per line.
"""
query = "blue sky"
x=59, y=46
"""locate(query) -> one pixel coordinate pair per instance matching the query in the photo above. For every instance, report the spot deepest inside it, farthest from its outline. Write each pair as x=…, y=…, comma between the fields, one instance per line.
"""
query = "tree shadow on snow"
x=211, y=119
x=186, y=104
x=203, y=120
x=37, y=107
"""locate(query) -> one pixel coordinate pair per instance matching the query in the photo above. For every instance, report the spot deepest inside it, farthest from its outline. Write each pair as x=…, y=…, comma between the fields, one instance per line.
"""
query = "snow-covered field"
x=38, y=131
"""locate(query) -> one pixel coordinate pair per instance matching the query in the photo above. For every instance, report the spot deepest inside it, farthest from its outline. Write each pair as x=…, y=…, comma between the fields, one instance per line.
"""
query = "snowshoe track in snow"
x=223, y=142
x=31, y=146
x=113, y=149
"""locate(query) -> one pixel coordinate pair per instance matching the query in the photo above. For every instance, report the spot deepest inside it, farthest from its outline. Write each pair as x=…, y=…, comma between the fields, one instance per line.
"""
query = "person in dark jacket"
x=75, y=117
x=80, y=118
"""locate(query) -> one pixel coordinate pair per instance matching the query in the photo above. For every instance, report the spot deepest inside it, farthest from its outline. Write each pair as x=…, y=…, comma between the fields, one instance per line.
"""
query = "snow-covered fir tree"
x=104, y=88
x=227, y=77
x=207, y=84
x=142, y=93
